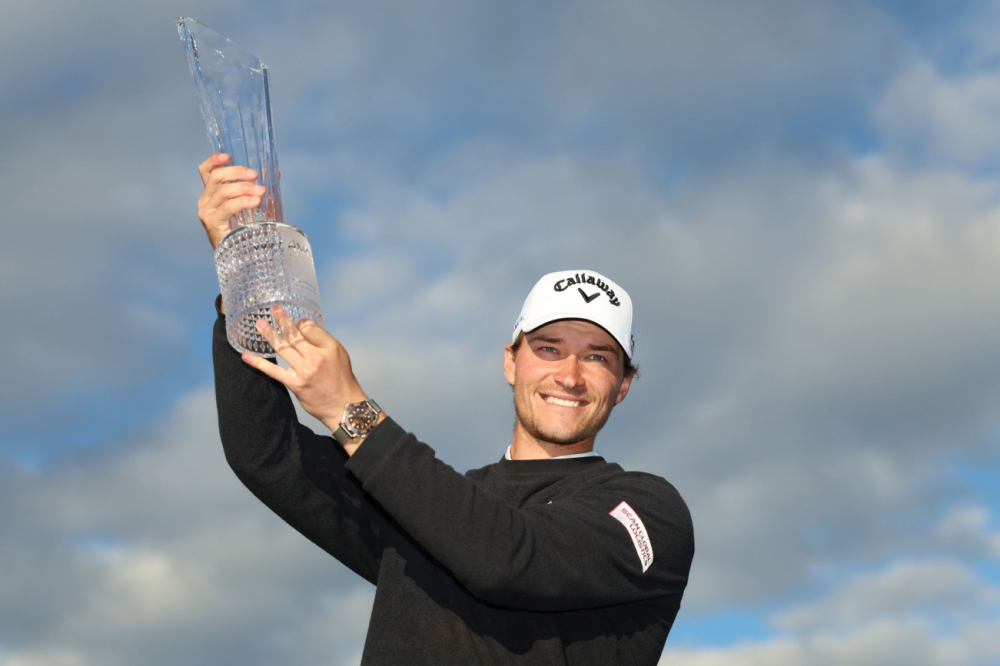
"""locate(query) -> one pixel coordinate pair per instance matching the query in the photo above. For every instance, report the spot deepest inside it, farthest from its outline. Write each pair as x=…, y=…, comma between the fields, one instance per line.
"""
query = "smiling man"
x=552, y=555
x=574, y=368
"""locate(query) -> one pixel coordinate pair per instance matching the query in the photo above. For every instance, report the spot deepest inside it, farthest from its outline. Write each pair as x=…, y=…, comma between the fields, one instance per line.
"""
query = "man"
x=550, y=556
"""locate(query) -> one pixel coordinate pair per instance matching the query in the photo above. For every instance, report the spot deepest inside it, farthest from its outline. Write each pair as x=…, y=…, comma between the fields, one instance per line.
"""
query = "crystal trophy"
x=262, y=261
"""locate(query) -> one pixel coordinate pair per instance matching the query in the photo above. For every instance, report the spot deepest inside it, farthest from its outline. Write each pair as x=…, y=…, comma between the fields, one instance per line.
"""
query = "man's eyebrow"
x=544, y=338
x=607, y=348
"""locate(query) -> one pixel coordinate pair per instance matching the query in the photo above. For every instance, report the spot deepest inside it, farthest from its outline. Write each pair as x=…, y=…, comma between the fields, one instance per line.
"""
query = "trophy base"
x=261, y=265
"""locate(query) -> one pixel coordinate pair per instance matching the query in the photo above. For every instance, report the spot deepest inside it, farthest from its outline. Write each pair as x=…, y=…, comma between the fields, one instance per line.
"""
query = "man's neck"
x=525, y=447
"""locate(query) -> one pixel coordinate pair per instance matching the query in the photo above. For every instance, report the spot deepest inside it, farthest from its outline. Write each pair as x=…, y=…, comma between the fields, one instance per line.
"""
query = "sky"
x=802, y=198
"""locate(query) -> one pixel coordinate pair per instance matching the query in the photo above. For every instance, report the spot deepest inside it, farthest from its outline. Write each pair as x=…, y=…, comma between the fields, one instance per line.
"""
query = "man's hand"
x=227, y=192
x=319, y=372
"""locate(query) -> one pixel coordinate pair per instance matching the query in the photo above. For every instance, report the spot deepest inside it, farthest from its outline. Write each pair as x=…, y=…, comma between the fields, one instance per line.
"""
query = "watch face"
x=361, y=417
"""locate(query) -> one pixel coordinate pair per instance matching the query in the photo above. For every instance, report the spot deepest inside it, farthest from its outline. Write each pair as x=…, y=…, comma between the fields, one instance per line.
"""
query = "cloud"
x=801, y=410
x=861, y=345
x=44, y=657
x=966, y=529
x=153, y=553
x=939, y=118
x=331, y=632
x=815, y=325
x=810, y=399
x=940, y=587
x=400, y=94
x=94, y=256
x=883, y=643
x=923, y=613
x=684, y=72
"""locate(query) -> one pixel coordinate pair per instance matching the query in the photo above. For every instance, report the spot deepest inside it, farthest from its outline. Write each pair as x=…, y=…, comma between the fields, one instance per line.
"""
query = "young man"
x=550, y=556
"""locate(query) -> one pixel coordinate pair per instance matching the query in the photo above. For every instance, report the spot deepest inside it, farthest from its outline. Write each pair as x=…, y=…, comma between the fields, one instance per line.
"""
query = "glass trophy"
x=262, y=261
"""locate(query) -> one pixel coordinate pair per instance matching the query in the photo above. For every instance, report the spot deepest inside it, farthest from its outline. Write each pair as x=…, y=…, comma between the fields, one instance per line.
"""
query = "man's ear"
x=624, y=387
x=508, y=363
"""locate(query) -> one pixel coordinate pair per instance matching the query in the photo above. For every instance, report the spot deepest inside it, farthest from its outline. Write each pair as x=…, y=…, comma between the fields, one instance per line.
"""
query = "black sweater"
x=571, y=561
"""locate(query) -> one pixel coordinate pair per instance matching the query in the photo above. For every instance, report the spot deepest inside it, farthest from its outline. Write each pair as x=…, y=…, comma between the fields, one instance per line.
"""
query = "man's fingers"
x=227, y=192
x=234, y=206
x=221, y=179
x=315, y=334
x=228, y=174
x=280, y=345
x=272, y=370
x=221, y=175
x=289, y=331
x=228, y=200
x=212, y=163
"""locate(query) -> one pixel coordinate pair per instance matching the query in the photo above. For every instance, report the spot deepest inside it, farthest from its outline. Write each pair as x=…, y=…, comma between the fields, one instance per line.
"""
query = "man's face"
x=567, y=376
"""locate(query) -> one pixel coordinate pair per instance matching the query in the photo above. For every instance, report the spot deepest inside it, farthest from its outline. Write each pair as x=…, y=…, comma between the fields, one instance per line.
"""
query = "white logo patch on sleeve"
x=627, y=516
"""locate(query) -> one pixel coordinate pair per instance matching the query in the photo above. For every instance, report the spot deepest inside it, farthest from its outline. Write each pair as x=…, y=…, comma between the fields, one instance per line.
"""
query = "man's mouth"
x=563, y=402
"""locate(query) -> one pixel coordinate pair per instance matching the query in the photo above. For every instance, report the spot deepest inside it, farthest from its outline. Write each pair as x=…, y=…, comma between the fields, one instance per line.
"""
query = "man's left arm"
x=628, y=539
x=625, y=540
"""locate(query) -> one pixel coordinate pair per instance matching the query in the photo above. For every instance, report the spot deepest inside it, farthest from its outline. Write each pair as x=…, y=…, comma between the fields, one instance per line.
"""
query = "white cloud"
x=859, y=359
x=943, y=118
x=882, y=643
x=967, y=529
x=139, y=591
x=93, y=250
x=818, y=334
x=44, y=657
x=940, y=587
x=889, y=313
x=154, y=553
x=810, y=398
x=384, y=86
x=913, y=613
x=330, y=633
x=755, y=476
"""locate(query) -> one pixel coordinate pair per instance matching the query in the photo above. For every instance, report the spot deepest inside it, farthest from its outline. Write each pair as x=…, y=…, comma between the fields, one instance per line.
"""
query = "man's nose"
x=568, y=374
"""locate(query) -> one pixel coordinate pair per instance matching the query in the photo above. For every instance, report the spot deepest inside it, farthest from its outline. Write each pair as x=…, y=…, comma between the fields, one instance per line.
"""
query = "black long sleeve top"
x=563, y=561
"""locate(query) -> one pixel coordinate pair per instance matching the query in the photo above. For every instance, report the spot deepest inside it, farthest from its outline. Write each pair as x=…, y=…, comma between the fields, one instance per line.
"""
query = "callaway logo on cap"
x=579, y=295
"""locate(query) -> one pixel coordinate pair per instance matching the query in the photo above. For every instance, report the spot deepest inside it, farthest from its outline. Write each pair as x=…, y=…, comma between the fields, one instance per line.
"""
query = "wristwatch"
x=358, y=420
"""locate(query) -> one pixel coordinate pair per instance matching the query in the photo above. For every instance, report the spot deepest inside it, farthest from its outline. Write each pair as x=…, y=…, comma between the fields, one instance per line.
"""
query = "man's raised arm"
x=298, y=474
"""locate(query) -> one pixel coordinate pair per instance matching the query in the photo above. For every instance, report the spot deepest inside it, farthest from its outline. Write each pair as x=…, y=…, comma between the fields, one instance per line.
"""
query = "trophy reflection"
x=262, y=261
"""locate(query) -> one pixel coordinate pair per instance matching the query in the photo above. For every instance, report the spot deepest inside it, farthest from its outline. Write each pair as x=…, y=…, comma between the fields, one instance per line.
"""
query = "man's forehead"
x=575, y=327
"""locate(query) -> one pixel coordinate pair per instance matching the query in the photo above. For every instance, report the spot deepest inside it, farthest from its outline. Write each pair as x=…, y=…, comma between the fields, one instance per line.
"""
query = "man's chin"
x=562, y=437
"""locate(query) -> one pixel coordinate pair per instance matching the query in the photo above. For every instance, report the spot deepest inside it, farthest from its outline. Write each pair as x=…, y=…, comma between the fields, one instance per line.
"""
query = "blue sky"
x=802, y=198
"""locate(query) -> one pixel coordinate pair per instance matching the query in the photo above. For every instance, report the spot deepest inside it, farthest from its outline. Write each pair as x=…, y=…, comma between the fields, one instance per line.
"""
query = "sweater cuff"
x=379, y=446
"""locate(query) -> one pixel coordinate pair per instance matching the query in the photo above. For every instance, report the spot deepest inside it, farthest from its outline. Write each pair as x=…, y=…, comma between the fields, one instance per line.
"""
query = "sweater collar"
x=568, y=455
x=560, y=465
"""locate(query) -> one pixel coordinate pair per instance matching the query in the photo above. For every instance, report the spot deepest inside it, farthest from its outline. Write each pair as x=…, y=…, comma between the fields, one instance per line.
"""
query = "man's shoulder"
x=480, y=472
x=645, y=488
x=616, y=474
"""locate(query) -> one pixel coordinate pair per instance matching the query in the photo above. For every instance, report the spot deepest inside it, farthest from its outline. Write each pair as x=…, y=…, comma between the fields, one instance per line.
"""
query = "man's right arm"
x=298, y=474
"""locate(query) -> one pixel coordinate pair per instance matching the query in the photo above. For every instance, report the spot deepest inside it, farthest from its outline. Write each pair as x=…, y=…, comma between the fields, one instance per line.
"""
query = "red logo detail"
x=627, y=516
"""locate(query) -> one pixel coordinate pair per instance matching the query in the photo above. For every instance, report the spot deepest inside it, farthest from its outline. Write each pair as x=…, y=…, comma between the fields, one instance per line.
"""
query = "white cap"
x=579, y=295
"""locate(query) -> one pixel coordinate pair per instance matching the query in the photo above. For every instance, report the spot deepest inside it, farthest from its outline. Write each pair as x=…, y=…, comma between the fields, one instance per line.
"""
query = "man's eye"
x=597, y=357
x=547, y=349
